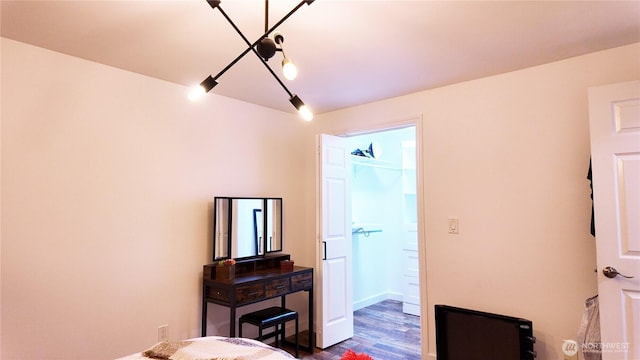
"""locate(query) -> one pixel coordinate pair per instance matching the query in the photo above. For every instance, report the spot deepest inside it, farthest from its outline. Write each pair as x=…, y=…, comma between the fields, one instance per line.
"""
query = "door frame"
x=417, y=122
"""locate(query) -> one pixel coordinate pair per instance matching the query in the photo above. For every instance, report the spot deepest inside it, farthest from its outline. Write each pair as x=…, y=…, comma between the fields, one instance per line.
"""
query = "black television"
x=464, y=334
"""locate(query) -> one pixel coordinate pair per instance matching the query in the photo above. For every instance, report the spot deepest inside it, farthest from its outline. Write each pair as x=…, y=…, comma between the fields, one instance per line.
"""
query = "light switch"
x=453, y=225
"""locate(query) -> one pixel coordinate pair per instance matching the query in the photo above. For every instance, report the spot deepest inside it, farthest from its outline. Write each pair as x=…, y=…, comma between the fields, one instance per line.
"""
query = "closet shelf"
x=371, y=162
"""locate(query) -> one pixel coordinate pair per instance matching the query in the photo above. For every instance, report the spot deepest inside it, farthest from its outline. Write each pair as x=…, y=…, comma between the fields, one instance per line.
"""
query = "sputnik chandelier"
x=264, y=48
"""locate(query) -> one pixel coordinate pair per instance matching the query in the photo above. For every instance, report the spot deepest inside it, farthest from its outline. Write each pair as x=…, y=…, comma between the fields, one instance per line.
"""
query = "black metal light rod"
x=266, y=15
x=284, y=18
x=213, y=3
x=231, y=64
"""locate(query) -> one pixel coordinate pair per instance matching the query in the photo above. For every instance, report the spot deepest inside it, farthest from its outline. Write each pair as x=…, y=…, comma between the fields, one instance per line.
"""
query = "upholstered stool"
x=273, y=316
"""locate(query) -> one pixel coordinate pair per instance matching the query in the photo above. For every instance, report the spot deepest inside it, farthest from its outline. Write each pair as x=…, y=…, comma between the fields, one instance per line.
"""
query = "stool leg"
x=297, y=337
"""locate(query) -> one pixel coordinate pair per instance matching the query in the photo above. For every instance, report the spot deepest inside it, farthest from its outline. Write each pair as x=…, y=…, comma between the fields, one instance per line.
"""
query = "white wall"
x=108, y=177
x=107, y=183
x=508, y=155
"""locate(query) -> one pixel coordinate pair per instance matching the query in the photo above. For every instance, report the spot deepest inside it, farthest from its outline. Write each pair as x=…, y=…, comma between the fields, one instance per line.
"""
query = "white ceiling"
x=348, y=52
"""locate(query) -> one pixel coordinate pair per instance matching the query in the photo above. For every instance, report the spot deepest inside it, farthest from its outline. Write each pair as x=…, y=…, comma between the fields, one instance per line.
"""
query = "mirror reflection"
x=274, y=224
x=243, y=227
x=221, y=223
x=258, y=230
x=246, y=227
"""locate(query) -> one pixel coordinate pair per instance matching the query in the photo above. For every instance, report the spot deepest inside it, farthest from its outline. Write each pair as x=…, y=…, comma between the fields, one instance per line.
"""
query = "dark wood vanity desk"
x=256, y=280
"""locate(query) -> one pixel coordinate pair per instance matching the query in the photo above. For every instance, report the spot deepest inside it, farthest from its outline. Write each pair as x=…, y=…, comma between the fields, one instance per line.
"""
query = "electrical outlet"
x=163, y=333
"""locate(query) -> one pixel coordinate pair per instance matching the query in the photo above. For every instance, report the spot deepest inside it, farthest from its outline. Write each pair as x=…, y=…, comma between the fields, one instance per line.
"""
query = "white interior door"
x=335, y=304
x=614, y=112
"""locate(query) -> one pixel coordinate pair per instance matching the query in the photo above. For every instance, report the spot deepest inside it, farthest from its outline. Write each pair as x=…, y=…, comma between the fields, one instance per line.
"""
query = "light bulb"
x=305, y=113
x=289, y=69
x=197, y=92
x=303, y=110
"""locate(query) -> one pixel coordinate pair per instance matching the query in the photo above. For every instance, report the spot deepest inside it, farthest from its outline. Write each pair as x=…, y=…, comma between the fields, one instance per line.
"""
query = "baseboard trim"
x=357, y=305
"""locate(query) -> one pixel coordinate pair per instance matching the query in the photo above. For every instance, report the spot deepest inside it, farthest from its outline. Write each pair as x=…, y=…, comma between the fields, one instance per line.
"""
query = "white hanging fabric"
x=589, y=347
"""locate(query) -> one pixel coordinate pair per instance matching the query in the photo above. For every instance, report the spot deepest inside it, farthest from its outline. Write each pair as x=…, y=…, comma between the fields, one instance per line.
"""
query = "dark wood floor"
x=382, y=331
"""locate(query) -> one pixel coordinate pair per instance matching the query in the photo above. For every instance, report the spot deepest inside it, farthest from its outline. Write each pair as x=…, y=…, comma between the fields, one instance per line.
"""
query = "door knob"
x=611, y=272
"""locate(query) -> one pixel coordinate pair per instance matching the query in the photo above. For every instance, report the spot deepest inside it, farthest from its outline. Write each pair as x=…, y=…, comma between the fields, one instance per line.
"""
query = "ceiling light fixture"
x=289, y=69
x=264, y=48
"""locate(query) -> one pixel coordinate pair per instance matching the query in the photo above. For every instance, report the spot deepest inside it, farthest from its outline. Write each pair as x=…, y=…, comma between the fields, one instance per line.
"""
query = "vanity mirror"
x=246, y=227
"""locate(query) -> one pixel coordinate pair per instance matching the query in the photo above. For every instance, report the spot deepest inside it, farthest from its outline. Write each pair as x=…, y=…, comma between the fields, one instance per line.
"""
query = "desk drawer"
x=249, y=293
x=219, y=294
x=278, y=287
x=302, y=281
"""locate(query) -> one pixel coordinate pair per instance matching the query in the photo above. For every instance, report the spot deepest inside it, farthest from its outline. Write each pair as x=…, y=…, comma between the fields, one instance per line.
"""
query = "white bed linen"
x=220, y=348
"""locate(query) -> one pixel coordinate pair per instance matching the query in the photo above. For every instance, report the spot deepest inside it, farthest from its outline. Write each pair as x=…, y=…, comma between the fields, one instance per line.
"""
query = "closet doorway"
x=384, y=216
